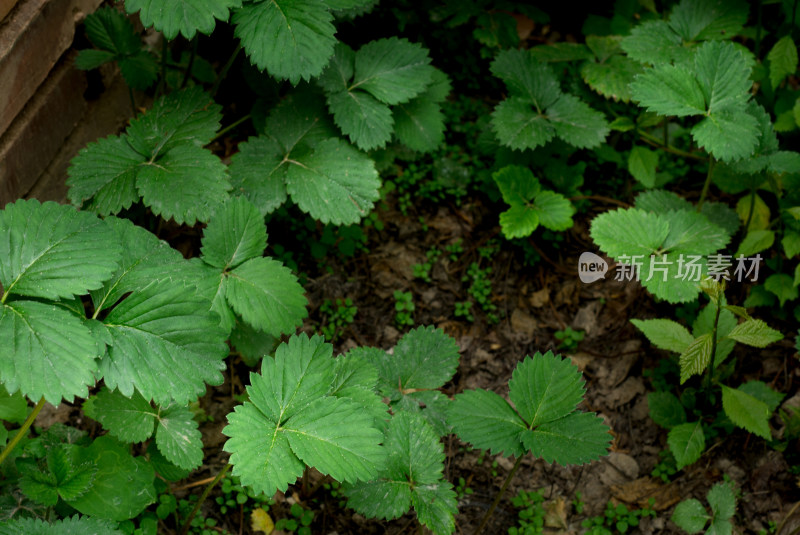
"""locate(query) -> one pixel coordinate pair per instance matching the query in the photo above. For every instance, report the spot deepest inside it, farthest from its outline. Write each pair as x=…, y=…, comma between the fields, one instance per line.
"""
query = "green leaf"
x=300, y=121
x=178, y=437
x=365, y=120
x=577, y=123
x=53, y=251
x=381, y=498
x=144, y=258
x=292, y=39
x=746, y=411
x=337, y=75
x=554, y=210
x=392, y=70
x=258, y=172
x=424, y=358
x=561, y=52
x=518, y=221
x=139, y=71
x=696, y=358
x=290, y=422
x=436, y=506
x=186, y=184
x=518, y=126
x=487, y=421
x=526, y=78
x=166, y=344
x=184, y=117
x=782, y=60
x=762, y=392
x=666, y=410
x=110, y=30
x=665, y=334
x=129, y=419
x=669, y=90
x=235, y=233
x=545, y=387
x=77, y=525
x=13, y=407
x=782, y=285
x=722, y=499
x=692, y=233
x=629, y=232
x=266, y=295
x=653, y=42
x=419, y=124
x=48, y=352
x=708, y=19
x=89, y=59
x=612, y=77
x=723, y=74
x=661, y=201
x=755, y=333
x=105, y=173
x=729, y=134
x=686, y=442
x=357, y=379
x=185, y=16
x=334, y=184
x=642, y=163
x=578, y=438
x=116, y=470
x=690, y=516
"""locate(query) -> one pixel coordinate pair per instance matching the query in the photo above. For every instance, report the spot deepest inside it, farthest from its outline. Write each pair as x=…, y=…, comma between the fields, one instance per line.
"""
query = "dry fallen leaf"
x=261, y=521
x=555, y=515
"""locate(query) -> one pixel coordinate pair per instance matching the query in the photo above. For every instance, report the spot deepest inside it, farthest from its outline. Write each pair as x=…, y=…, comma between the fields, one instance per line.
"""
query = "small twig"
x=193, y=484
x=789, y=515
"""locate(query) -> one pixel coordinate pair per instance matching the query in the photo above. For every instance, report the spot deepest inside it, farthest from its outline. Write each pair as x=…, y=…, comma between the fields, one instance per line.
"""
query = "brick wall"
x=44, y=117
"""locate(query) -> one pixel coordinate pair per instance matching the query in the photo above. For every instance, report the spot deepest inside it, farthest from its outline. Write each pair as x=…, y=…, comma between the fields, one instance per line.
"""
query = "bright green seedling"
x=115, y=40
x=568, y=339
x=531, y=514
x=480, y=289
x=463, y=310
x=339, y=316
x=306, y=408
x=298, y=522
x=545, y=390
x=665, y=243
x=715, y=332
x=404, y=308
x=530, y=205
x=537, y=110
x=692, y=517
x=423, y=271
x=617, y=519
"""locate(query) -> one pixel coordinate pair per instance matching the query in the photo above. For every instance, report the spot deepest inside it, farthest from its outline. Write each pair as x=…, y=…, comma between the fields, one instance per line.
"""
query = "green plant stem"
x=750, y=210
x=220, y=475
x=224, y=72
x=758, y=30
x=22, y=431
x=707, y=183
x=164, y=54
x=133, y=100
x=230, y=127
x=654, y=141
x=509, y=477
x=188, y=73
x=713, y=347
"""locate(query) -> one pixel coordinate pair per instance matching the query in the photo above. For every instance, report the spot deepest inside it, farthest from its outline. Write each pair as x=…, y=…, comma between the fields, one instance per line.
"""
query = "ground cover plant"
x=348, y=307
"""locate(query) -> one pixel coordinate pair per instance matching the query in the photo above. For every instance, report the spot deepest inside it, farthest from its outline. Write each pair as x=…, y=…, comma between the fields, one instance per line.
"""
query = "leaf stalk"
x=206, y=492
x=23, y=431
x=509, y=477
